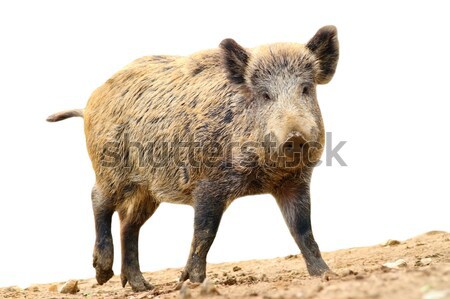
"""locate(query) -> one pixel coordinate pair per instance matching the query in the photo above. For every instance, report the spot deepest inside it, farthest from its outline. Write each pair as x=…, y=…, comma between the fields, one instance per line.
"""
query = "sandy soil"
x=420, y=268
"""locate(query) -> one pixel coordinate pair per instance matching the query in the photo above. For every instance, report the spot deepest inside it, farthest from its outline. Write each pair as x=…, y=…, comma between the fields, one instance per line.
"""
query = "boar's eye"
x=305, y=90
x=266, y=96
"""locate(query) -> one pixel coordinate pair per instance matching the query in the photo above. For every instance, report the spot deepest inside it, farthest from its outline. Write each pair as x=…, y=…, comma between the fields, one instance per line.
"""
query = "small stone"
x=392, y=243
x=185, y=293
x=208, y=288
x=237, y=268
x=436, y=294
x=53, y=288
x=401, y=263
x=70, y=287
x=264, y=278
x=423, y=262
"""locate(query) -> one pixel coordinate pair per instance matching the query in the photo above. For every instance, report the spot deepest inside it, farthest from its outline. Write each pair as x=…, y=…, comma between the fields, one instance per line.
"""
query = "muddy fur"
x=214, y=98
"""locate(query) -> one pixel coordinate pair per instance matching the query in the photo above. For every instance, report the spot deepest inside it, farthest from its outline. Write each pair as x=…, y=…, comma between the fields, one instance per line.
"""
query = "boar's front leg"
x=294, y=202
x=209, y=205
x=133, y=214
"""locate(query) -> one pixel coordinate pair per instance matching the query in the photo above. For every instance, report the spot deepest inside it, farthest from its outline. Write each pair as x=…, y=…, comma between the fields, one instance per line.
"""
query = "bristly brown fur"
x=228, y=95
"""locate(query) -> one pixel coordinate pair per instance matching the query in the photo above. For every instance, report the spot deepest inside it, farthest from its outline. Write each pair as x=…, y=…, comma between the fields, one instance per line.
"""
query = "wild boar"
x=203, y=130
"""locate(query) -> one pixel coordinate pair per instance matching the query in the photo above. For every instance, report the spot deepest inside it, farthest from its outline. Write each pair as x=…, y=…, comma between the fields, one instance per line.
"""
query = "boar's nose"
x=293, y=144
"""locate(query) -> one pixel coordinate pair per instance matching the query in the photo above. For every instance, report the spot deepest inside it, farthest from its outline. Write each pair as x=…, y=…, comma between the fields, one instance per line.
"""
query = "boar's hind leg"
x=209, y=205
x=103, y=249
x=133, y=213
x=294, y=202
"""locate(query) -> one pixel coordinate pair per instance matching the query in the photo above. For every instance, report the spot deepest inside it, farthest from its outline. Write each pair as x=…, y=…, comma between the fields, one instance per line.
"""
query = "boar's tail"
x=65, y=114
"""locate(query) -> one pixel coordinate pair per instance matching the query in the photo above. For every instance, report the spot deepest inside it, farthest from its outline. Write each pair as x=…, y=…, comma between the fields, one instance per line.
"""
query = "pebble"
x=423, y=262
x=70, y=287
x=392, y=243
x=401, y=263
x=436, y=294
x=237, y=268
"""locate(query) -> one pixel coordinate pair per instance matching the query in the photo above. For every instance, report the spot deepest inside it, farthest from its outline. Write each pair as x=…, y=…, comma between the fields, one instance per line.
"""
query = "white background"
x=389, y=100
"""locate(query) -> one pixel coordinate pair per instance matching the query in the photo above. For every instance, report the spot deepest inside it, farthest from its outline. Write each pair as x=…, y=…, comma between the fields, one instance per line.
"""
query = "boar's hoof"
x=318, y=270
x=193, y=276
x=136, y=281
x=103, y=268
x=103, y=276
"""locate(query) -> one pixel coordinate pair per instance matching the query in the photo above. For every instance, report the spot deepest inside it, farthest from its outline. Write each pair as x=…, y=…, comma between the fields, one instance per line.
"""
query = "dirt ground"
x=416, y=268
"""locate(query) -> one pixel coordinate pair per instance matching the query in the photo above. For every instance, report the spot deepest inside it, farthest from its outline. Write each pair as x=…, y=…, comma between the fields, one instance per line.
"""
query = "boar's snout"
x=294, y=143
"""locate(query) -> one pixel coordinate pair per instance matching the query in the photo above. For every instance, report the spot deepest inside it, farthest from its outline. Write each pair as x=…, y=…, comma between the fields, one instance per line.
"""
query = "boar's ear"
x=235, y=60
x=325, y=46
